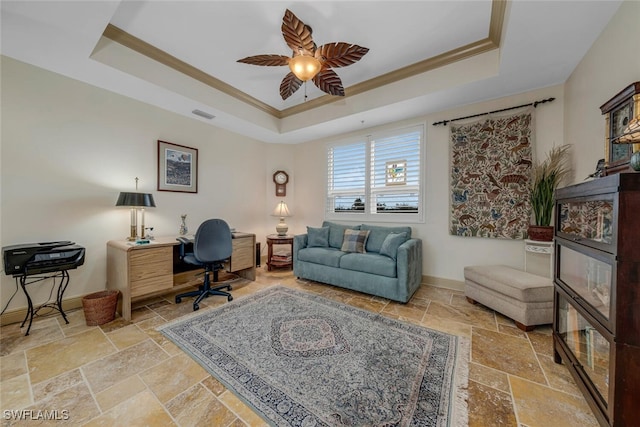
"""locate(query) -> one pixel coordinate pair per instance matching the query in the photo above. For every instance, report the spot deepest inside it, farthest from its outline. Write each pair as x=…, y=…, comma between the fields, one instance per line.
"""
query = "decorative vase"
x=183, y=226
x=541, y=233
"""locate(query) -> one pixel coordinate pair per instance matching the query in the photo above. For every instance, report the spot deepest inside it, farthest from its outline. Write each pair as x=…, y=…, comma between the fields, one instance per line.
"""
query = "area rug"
x=299, y=359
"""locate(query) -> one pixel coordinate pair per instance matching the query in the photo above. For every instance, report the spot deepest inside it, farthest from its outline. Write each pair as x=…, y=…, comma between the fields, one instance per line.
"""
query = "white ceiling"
x=541, y=44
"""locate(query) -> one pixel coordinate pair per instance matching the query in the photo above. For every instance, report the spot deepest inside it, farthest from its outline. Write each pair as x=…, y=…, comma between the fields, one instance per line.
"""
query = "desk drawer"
x=150, y=270
x=150, y=285
x=243, y=255
x=150, y=263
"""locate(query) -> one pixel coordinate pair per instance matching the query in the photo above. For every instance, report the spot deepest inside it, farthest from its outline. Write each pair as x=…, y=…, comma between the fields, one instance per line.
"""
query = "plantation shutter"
x=347, y=177
x=377, y=179
x=395, y=170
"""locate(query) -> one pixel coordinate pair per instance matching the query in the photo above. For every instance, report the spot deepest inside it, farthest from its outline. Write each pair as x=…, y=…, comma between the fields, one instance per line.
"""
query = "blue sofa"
x=390, y=267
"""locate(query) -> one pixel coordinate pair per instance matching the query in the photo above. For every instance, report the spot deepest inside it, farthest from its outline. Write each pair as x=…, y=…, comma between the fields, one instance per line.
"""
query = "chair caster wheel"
x=229, y=288
x=196, y=307
x=229, y=298
x=178, y=300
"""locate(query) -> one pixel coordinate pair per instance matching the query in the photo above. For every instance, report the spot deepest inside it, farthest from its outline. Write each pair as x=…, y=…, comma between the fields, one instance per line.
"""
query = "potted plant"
x=547, y=176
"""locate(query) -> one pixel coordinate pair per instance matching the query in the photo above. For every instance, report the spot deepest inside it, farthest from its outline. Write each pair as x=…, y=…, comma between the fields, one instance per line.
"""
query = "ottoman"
x=524, y=297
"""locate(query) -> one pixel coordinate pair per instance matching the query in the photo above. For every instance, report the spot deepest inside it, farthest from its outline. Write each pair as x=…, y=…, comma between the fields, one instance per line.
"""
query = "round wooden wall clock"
x=281, y=178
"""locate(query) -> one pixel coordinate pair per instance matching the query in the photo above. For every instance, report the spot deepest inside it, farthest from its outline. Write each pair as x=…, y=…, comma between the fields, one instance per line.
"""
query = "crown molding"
x=125, y=39
x=491, y=42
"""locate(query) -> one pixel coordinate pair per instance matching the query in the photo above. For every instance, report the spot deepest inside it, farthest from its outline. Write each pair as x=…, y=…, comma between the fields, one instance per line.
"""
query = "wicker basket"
x=100, y=307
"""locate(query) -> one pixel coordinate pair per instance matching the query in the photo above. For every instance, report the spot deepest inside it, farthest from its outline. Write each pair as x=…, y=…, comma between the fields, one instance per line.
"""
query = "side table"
x=538, y=258
x=279, y=260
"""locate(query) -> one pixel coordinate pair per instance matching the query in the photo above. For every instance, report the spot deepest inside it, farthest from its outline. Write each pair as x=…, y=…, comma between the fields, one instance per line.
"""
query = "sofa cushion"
x=379, y=233
x=336, y=232
x=369, y=263
x=391, y=244
x=354, y=241
x=318, y=237
x=323, y=256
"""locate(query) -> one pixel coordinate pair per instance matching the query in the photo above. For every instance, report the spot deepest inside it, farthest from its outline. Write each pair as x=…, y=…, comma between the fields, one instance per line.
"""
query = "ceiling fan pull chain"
x=305, y=91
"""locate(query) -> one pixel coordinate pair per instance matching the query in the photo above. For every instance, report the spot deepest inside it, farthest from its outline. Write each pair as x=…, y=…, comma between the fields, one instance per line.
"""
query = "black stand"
x=25, y=280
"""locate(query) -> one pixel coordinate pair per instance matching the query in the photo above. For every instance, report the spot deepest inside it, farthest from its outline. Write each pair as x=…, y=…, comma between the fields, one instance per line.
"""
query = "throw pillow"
x=391, y=244
x=318, y=237
x=354, y=240
x=336, y=232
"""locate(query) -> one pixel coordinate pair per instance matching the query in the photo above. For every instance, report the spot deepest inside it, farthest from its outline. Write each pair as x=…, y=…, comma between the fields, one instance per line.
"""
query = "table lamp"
x=136, y=201
x=282, y=211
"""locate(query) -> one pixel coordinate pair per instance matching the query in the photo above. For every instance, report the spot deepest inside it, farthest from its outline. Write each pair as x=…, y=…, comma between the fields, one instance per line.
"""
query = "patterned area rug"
x=300, y=359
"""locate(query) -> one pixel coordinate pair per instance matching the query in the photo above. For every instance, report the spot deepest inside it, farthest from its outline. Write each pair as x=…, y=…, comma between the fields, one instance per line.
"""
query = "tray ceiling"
x=425, y=56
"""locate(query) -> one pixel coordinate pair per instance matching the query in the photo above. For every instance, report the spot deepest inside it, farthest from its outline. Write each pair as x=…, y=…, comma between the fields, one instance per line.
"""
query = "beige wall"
x=444, y=256
x=69, y=148
x=573, y=118
x=609, y=66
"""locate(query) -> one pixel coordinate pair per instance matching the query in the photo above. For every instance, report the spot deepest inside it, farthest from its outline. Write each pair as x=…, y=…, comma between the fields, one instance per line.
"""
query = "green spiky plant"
x=546, y=178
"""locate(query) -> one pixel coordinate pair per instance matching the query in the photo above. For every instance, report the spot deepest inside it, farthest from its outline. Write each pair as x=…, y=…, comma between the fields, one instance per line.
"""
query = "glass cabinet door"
x=587, y=344
x=591, y=220
x=588, y=277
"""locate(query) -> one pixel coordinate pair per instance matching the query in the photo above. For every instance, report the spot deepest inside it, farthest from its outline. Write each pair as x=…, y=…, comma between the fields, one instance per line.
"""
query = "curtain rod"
x=535, y=104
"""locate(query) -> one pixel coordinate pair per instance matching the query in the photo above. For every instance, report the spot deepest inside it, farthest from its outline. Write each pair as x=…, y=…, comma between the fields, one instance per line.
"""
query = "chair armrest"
x=183, y=241
x=299, y=242
x=409, y=261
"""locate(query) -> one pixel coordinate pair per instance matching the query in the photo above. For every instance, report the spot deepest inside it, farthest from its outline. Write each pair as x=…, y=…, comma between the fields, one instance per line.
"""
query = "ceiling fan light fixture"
x=309, y=62
x=305, y=67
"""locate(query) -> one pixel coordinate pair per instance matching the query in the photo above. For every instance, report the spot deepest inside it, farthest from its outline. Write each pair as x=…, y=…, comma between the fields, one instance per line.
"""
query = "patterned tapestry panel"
x=490, y=172
x=591, y=219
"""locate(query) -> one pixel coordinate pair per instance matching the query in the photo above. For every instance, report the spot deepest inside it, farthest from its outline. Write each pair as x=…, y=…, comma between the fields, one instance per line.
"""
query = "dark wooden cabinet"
x=596, y=325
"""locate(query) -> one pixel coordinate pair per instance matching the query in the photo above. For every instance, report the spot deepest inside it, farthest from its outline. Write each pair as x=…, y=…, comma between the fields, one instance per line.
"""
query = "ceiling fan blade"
x=268, y=60
x=296, y=34
x=328, y=81
x=340, y=54
x=289, y=85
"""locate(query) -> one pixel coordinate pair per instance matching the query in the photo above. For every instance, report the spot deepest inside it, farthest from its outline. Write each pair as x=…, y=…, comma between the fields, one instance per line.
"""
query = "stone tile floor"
x=127, y=373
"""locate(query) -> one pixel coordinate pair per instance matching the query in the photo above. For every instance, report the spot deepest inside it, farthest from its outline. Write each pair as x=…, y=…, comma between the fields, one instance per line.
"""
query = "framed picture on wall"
x=177, y=168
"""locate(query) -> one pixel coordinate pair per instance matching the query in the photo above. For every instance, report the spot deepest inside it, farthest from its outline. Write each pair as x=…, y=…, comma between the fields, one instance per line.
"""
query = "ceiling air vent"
x=203, y=114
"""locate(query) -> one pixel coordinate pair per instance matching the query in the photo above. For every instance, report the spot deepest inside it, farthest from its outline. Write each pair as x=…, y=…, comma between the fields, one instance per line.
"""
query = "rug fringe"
x=460, y=410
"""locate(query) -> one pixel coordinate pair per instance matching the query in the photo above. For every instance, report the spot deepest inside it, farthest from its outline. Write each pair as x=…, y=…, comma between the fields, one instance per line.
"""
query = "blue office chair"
x=211, y=248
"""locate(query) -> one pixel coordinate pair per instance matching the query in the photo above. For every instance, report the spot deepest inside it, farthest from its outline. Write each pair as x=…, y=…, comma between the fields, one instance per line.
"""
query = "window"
x=377, y=178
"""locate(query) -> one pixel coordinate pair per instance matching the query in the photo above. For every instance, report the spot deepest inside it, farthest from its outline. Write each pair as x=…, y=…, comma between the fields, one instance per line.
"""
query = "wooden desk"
x=142, y=271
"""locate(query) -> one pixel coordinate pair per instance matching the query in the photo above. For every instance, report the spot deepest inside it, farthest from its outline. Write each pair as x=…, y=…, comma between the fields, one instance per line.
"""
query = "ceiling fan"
x=309, y=62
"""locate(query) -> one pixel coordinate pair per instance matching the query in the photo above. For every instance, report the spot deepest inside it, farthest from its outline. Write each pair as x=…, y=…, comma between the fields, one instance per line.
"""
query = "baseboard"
x=19, y=314
x=439, y=282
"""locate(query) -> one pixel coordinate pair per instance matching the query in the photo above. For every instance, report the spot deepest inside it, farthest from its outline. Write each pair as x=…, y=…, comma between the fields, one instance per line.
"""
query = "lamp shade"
x=143, y=200
x=281, y=210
